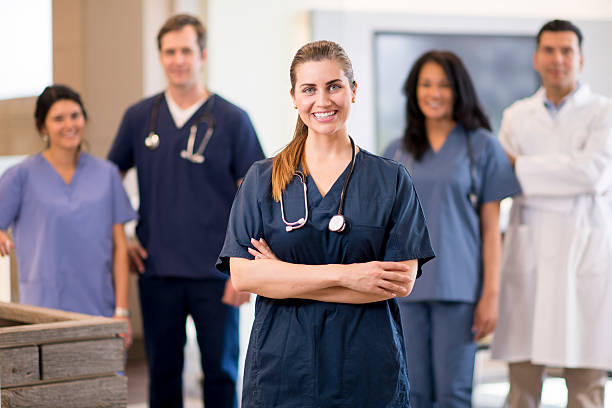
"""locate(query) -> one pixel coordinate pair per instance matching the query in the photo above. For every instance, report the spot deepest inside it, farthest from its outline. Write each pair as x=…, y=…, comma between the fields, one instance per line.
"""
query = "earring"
x=45, y=138
x=294, y=106
x=353, y=100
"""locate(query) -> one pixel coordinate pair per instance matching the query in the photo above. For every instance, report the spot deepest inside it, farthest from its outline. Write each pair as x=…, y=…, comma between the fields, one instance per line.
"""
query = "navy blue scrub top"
x=305, y=353
x=184, y=206
x=442, y=180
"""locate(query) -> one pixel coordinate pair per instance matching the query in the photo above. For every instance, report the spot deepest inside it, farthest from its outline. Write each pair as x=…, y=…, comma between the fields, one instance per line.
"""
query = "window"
x=26, y=44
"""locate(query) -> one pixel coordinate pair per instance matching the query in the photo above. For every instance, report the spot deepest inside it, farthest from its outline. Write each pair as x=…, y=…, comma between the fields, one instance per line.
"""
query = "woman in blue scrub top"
x=461, y=173
x=66, y=210
x=327, y=329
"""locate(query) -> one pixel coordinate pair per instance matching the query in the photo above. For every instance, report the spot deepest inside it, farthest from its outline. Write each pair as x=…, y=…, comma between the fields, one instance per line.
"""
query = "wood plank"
x=36, y=314
x=19, y=365
x=10, y=323
x=65, y=360
x=92, y=328
x=108, y=392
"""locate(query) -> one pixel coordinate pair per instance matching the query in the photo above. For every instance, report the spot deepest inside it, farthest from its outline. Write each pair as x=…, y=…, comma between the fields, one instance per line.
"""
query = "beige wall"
x=17, y=133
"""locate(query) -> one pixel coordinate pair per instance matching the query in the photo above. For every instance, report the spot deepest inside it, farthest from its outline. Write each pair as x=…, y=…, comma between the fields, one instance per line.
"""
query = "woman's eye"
x=308, y=90
x=334, y=87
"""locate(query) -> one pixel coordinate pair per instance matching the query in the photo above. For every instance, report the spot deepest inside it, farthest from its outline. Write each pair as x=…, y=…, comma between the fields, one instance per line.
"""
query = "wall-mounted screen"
x=26, y=44
x=500, y=67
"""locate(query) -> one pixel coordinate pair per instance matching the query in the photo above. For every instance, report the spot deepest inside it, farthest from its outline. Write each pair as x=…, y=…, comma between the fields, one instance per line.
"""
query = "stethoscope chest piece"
x=152, y=141
x=337, y=223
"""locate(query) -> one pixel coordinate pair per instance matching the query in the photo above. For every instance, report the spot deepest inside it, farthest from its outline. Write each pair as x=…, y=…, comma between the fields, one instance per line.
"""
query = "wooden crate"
x=51, y=358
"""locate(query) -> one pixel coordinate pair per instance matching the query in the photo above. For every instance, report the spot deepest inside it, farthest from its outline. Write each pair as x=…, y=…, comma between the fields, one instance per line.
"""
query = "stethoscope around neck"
x=152, y=140
x=337, y=223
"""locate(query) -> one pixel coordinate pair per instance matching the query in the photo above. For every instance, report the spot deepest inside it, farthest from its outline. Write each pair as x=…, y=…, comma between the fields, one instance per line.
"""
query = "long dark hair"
x=466, y=108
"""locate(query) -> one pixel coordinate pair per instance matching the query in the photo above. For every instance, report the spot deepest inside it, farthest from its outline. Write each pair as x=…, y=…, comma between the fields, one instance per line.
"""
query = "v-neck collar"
x=315, y=198
x=77, y=169
x=194, y=114
x=446, y=141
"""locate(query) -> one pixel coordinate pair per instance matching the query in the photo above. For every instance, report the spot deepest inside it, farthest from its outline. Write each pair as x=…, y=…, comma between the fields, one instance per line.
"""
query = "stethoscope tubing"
x=152, y=141
x=337, y=222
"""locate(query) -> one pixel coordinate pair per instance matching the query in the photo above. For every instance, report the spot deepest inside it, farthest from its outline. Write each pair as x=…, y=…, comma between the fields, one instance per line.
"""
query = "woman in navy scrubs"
x=461, y=173
x=327, y=328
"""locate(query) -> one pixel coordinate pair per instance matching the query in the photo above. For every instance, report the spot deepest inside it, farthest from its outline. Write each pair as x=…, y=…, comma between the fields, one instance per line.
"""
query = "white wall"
x=250, y=48
x=548, y=9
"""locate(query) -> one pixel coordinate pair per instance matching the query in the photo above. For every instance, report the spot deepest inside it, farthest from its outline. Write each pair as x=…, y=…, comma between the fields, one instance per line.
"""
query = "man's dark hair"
x=177, y=22
x=560, y=25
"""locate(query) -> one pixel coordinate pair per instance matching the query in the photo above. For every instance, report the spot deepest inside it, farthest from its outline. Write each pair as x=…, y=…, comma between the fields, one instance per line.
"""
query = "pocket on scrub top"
x=366, y=241
x=518, y=256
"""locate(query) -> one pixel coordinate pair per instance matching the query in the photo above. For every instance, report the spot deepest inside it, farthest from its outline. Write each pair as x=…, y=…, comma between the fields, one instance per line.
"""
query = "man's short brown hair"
x=177, y=22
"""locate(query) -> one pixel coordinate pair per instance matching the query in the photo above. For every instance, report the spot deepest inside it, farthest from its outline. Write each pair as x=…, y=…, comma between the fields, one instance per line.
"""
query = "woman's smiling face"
x=323, y=96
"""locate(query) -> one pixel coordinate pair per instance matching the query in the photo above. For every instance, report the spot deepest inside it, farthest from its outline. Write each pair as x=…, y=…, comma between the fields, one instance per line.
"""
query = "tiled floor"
x=490, y=377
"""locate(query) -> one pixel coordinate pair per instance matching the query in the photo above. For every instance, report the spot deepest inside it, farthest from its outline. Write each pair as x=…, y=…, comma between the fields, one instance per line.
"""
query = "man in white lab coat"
x=556, y=284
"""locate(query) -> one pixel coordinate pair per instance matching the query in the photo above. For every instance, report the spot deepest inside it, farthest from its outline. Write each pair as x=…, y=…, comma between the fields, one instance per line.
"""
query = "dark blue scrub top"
x=184, y=206
x=442, y=180
x=305, y=353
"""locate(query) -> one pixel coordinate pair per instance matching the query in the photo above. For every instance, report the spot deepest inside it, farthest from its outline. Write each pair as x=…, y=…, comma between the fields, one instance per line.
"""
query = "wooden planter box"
x=51, y=358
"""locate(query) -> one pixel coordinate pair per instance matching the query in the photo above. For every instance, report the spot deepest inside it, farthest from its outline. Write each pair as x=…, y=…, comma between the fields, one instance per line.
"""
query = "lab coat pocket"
x=592, y=266
x=592, y=252
x=518, y=257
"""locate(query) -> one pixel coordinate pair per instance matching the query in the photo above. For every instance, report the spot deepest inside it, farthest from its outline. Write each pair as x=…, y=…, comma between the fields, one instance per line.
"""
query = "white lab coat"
x=556, y=278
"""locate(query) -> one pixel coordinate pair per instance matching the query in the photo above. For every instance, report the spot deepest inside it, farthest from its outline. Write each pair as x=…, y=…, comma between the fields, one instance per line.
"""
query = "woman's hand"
x=136, y=254
x=390, y=279
x=127, y=336
x=262, y=250
x=233, y=297
x=5, y=244
x=485, y=316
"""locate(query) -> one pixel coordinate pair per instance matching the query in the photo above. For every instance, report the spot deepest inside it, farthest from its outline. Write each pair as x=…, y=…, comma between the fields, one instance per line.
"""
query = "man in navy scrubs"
x=191, y=149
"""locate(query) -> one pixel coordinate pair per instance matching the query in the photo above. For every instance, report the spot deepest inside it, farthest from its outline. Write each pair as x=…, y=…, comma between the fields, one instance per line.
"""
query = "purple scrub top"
x=63, y=233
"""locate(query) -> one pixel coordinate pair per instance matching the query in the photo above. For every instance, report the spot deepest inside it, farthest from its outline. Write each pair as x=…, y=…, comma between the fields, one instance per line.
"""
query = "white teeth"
x=323, y=115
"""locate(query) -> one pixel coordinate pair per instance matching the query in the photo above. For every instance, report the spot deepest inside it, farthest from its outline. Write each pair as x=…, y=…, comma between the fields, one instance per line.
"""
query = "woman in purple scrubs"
x=66, y=211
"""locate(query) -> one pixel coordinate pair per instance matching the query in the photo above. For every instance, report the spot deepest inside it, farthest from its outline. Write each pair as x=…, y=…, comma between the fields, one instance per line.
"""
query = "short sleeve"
x=245, y=221
x=393, y=150
x=408, y=237
x=11, y=191
x=122, y=209
x=498, y=179
x=122, y=150
x=246, y=148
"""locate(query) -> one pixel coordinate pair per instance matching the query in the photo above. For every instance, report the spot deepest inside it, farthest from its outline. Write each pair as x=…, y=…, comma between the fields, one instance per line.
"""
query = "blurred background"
x=106, y=50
